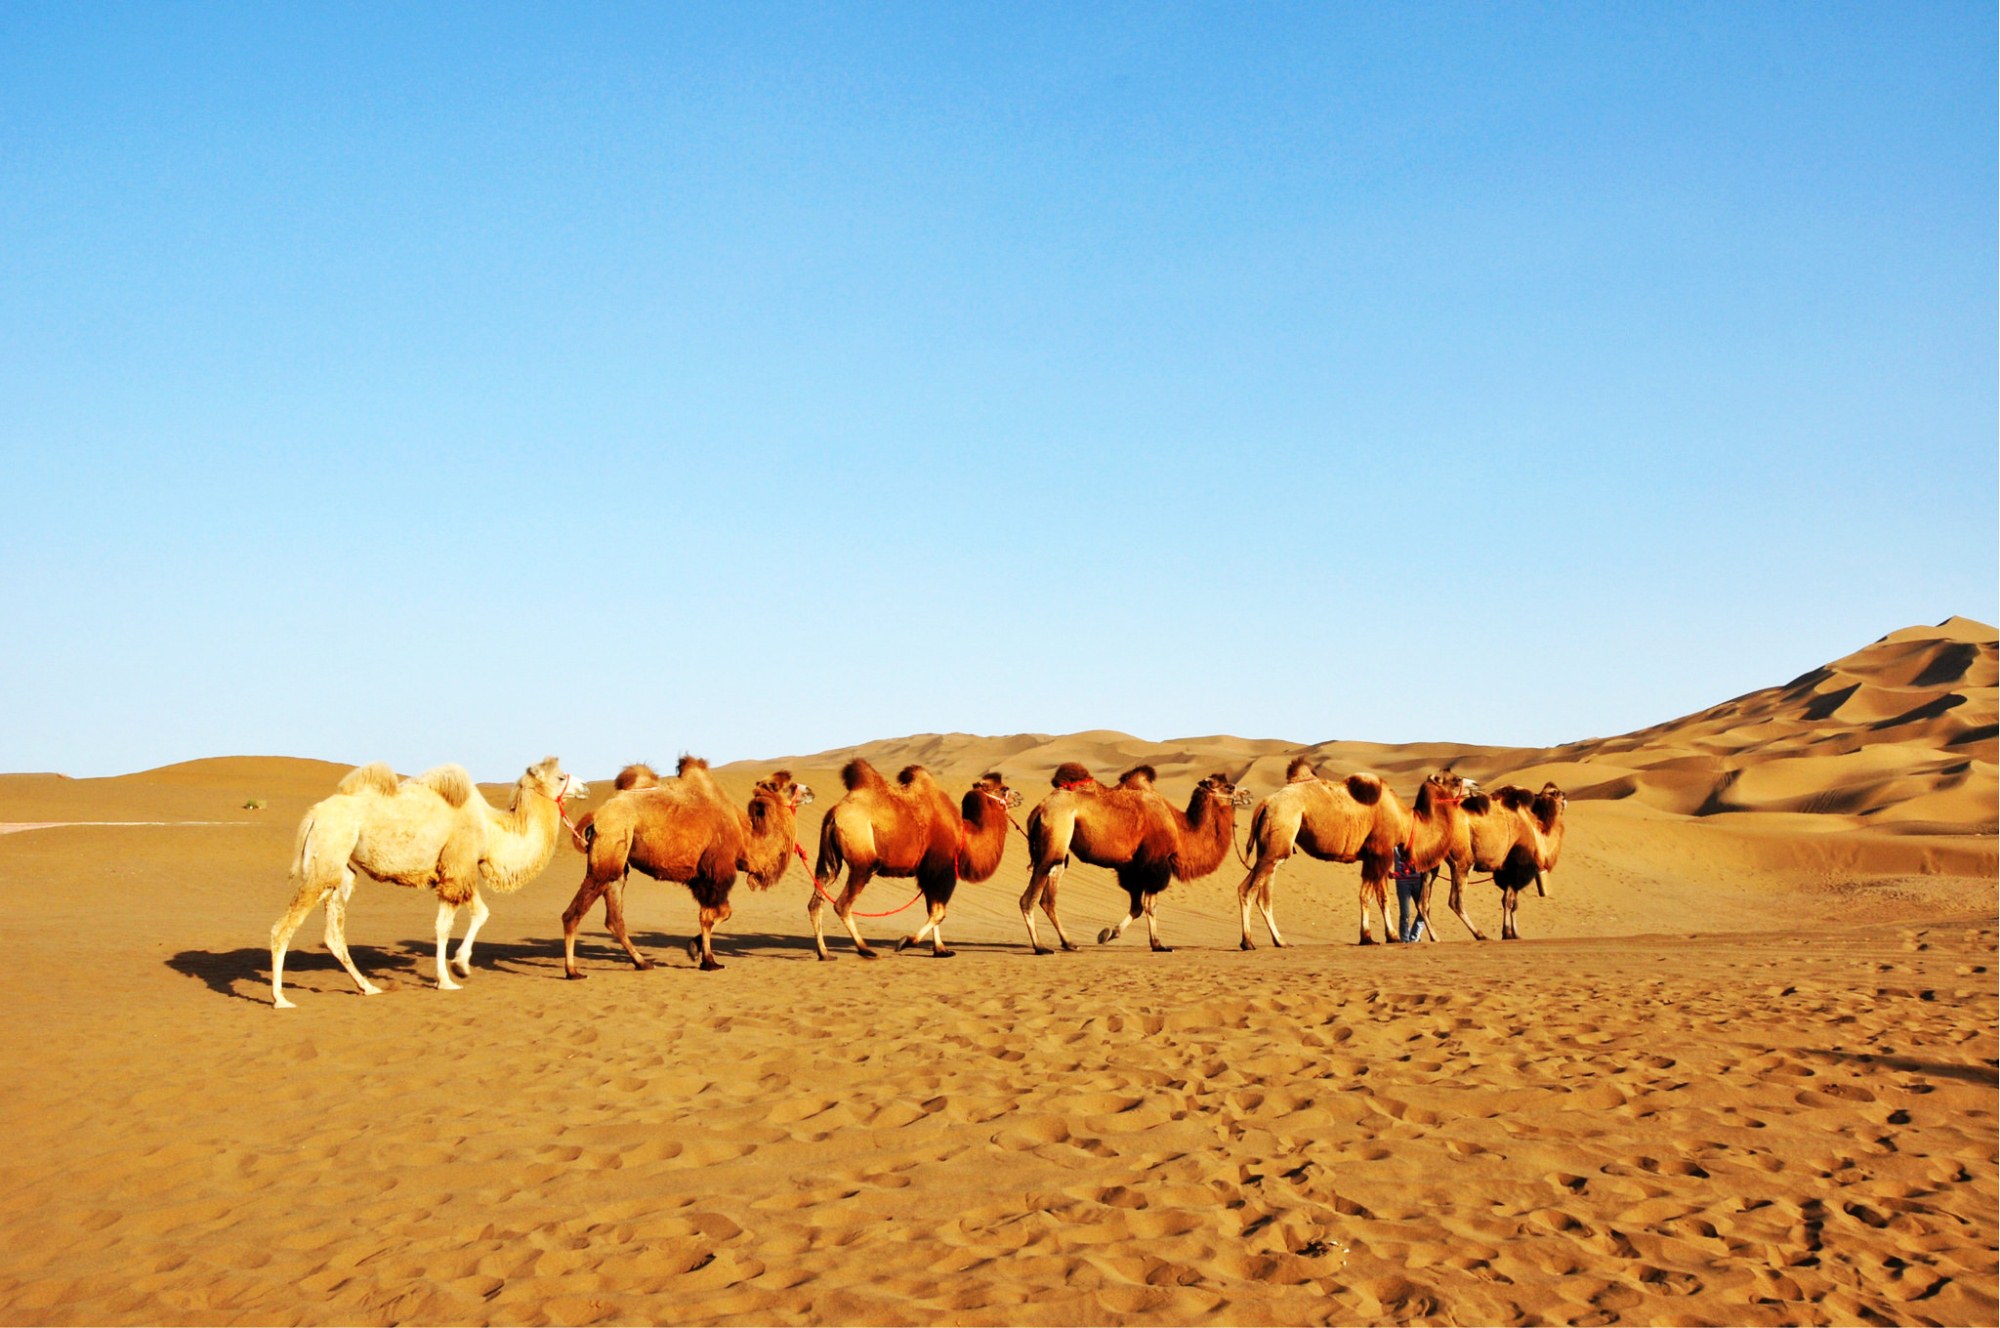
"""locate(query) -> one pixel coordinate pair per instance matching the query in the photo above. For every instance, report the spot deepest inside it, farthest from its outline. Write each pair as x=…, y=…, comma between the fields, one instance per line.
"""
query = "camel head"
x=1446, y=787
x=1217, y=785
x=548, y=778
x=780, y=787
x=996, y=788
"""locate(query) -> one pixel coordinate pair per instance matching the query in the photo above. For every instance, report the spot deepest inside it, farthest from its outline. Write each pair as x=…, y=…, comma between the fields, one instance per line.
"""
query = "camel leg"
x=1110, y=934
x=843, y=908
x=815, y=905
x=1049, y=905
x=934, y=928
x=1041, y=887
x=307, y=898
x=1151, y=907
x=336, y=933
x=1257, y=885
x=614, y=918
x=447, y=915
x=1456, y=902
x=709, y=917
x=931, y=920
x=462, y=961
x=1508, y=899
x=586, y=895
x=1374, y=876
x=723, y=912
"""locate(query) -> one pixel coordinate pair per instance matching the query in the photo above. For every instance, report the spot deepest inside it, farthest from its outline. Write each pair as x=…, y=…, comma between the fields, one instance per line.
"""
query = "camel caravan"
x=437, y=832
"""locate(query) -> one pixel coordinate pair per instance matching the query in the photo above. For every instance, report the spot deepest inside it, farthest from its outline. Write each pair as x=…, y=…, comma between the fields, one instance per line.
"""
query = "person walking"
x=1409, y=892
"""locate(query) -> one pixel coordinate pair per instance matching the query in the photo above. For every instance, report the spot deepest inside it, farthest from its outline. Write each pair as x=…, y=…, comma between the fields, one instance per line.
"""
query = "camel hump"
x=1476, y=804
x=1515, y=798
x=859, y=774
x=1364, y=789
x=914, y=776
x=1071, y=772
x=688, y=763
x=638, y=775
x=1138, y=777
x=1300, y=770
x=375, y=777
x=450, y=782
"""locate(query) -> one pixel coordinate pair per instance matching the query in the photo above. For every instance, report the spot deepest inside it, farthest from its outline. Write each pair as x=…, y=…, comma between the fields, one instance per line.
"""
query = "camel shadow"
x=222, y=971
x=1986, y=1074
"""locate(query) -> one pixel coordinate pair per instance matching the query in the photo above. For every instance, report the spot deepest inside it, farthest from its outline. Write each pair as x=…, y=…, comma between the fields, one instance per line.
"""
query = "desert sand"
x=1741, y=1068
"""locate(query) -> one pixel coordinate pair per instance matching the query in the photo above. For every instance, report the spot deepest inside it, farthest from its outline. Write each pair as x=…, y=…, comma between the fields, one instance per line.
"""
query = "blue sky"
x=442, y=382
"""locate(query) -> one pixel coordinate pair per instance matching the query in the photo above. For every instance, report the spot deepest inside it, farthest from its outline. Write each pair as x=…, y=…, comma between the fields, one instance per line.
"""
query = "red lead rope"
x=835, y=902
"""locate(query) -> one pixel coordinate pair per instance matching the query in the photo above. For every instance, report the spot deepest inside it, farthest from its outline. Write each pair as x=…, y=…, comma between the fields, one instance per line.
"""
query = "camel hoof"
x=1366, y=939
x=1104, y=937
x=282, y=1004
x=1043, y=949
x=905, y=944
x=460, y=967
x=710, y=966
x=1163, y=949
x=944, y=954
x=826, y=957
x=866, y=953
x=1067, y=946
x=643, y=965
x=575, y=975
x=1246, y=944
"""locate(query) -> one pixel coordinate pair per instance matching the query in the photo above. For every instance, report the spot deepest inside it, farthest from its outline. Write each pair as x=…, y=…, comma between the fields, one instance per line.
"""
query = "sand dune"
x=1743, y=1069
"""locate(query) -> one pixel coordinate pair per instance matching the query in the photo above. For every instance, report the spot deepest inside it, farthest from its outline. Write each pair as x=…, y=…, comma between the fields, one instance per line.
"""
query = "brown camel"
x=908, y=828
x=1517, y=836
x=682, y=829
x=434, y=832
x=1356, y=819
x=1131, y=829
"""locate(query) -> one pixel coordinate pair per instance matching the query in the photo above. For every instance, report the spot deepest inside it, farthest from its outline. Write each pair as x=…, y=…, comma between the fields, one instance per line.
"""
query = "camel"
x=1356, y=819
x=1517, y=836
x=1131, y=829
x=434, y=832
x=908, y=828
x=682, y=829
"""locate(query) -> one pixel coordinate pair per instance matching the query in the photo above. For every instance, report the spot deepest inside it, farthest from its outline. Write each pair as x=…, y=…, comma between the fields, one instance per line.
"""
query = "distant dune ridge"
x=1897, y=737
x=1740, y=1068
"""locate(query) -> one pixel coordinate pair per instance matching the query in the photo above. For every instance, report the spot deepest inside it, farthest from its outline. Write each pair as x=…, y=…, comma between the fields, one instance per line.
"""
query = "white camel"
x=434, y=832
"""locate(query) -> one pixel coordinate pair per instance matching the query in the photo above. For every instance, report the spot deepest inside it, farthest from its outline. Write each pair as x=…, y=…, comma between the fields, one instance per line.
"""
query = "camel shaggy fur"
x=1356, y=819
x=1132, y=829
x=434, y=832
x=681, y=829
x=907, y=828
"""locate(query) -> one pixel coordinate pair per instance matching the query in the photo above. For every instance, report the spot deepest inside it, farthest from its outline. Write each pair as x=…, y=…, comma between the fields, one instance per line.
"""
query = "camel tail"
x=302, y=845
x=830, y=861
x=1256, y=835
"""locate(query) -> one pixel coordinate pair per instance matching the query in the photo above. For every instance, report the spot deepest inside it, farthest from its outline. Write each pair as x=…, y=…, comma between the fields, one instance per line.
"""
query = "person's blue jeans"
x=1407, y=915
